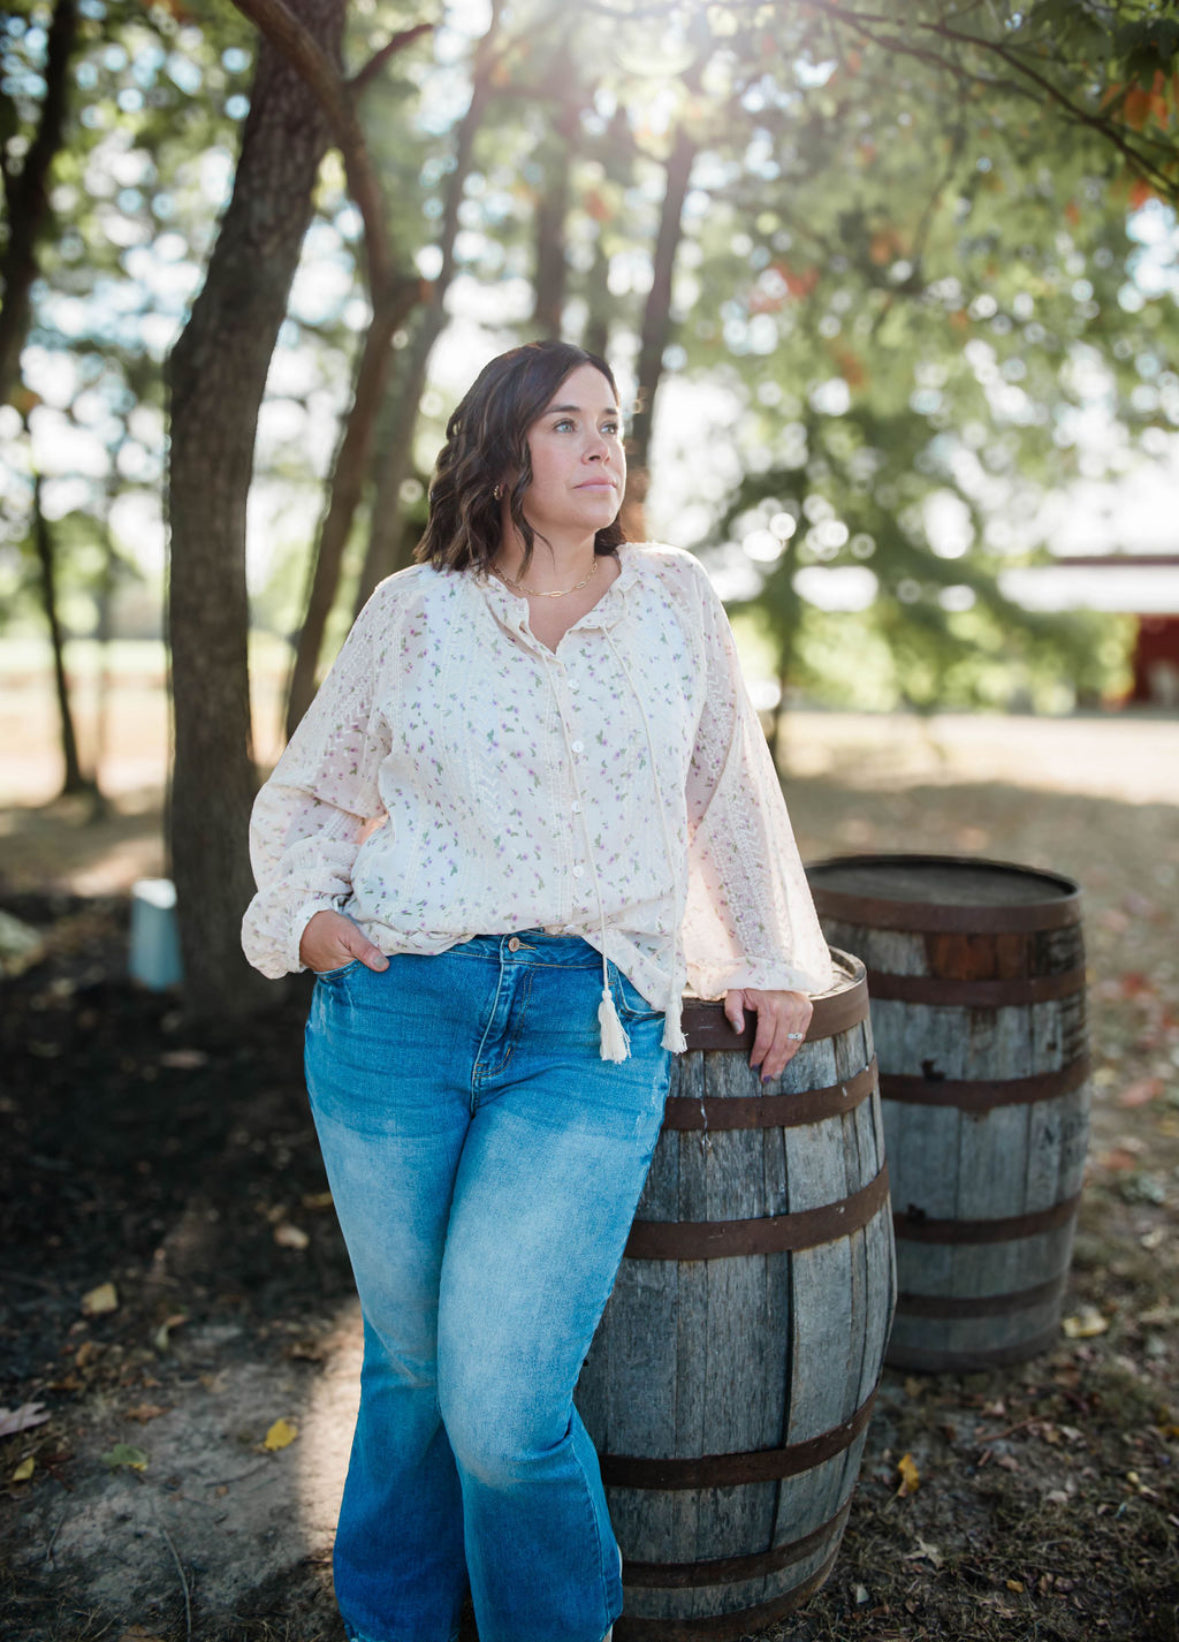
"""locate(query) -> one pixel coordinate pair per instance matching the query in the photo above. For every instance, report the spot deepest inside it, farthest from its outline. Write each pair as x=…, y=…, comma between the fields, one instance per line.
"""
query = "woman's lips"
x=598, y=484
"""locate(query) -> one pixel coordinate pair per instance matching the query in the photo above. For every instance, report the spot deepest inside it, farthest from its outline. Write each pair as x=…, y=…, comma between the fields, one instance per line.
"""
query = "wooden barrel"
x=976, y=972
x=732, y=1375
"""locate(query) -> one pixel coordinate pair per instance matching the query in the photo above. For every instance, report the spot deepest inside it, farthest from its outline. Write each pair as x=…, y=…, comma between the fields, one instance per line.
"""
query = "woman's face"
x=578, y=463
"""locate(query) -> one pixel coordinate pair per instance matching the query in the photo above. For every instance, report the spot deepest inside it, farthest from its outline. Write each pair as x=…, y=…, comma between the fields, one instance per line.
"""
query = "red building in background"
x=1156, y=649
x=1156, y=661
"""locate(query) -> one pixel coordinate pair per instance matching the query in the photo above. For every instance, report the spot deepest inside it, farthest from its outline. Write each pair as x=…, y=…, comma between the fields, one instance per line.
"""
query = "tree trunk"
x=777, y=729
x=108, y=581
x=27, y=197
x=551, y=211
x=348, y=472
x=616, y=151
x=75, y=781
x=216, y=379
x=657, y=313
x=396, y=456
x=553, y=206
x=386, y=551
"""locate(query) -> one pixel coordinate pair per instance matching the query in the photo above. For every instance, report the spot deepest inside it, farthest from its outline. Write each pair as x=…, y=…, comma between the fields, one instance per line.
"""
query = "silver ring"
x=796, y=1034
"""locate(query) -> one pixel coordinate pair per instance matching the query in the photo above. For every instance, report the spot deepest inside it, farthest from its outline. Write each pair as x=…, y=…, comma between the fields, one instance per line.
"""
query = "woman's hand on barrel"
x=331, y=940
x=782, y=1021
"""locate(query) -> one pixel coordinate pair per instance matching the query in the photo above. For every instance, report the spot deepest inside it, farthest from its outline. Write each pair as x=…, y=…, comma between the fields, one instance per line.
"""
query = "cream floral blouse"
x=455, y=777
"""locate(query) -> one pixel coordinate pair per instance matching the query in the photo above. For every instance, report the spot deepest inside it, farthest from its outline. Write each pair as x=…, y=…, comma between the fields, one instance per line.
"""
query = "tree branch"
x=405, y=37
x=334, y=95
x=1014, y=60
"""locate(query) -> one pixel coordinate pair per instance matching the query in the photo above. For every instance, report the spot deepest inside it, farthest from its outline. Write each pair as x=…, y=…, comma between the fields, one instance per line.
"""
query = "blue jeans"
x=486, y=1165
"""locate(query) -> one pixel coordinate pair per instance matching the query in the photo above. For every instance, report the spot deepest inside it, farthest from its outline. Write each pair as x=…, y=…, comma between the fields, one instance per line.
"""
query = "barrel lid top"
x=950, y=880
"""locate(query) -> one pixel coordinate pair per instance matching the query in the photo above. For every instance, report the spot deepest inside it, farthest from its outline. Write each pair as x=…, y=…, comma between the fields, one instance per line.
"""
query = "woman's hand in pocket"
x=330, y=940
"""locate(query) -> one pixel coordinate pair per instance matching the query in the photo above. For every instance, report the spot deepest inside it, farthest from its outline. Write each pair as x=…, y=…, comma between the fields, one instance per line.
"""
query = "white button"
x=576, y=745
x=574, y=687
x=576, y=806
x=579, y=872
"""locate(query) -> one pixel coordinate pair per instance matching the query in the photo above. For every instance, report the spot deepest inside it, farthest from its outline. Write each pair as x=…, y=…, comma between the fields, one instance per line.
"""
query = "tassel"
x=673, y=1034
x=615, y=1043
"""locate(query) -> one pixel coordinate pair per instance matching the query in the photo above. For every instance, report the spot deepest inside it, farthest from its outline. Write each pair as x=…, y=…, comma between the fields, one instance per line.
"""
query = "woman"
x=530, y=801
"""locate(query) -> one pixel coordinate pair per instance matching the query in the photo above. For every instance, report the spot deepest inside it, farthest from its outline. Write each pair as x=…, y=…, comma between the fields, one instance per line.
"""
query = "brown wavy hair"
x=487, y=437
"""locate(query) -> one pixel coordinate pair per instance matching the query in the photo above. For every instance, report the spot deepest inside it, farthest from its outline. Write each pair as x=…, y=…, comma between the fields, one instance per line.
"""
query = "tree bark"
x=216, y=376
x=395, y=458
x=27, y=197
x=657, y=313
x=75, y=781
x=386, y=543
x=616, y=152
x=553, y=208
x=348, y=471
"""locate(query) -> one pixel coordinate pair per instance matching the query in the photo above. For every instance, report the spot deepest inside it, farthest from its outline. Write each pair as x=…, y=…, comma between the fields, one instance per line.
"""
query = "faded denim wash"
x=485, y=1164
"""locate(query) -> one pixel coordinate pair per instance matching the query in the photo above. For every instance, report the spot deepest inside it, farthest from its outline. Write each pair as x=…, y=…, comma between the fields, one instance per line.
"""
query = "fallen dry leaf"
x=98, y=1300
x=24, y=1470
x=288, y=1236
x=909, y=1475
x=307, y=1351
x=1141, y=1092
x=1016, y=1585
x=184, y=1060
x=925, y=1552
x=1117, y=1159
x=316, y=1200
x=1086, y=1325
x=160, y=1337
x=87, y=1352
x=22, y=1418
x=145, y=1411
x=140, y=1633
x=281, y=1434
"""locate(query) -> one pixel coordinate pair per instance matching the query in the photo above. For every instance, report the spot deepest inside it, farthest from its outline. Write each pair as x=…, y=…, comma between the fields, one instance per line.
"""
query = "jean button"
x=514, y=944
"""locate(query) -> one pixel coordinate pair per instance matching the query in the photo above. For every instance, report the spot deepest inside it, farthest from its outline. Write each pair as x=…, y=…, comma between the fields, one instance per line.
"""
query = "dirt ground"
x=183, y=1170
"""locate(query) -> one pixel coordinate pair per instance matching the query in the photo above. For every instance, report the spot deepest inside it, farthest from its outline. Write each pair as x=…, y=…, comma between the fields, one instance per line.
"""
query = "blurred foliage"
x=923, y=246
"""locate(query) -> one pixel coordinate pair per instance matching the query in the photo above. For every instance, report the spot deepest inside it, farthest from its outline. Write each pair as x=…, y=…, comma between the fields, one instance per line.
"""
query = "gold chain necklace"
x=536, y=593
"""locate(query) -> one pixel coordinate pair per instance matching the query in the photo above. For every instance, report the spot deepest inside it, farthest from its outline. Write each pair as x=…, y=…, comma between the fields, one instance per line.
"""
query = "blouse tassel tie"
x=673, y=1032
x=615, y=1045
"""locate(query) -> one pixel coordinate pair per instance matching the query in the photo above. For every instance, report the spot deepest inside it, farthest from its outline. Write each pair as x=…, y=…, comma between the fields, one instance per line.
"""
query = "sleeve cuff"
x=320, y=903
x=714, y=981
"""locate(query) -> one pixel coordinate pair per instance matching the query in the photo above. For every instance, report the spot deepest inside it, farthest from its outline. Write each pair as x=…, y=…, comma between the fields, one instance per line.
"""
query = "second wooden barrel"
x=731, y=1379
x=976, y=972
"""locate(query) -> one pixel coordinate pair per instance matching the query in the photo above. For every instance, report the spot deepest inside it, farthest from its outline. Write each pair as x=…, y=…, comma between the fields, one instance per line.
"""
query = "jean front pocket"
x=629, y=1001
x=335, y=974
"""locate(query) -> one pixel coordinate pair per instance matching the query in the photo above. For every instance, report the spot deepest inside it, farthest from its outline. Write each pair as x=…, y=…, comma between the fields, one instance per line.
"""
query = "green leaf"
x=123, y=1453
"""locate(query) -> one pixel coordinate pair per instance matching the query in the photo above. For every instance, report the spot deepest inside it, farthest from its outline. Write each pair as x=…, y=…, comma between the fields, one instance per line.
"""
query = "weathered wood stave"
x=719, y=1367
x=978, y=1015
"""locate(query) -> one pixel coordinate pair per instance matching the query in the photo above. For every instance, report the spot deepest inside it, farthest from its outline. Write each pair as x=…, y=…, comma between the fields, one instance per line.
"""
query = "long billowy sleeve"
x=309, y=818
x=750, y=919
